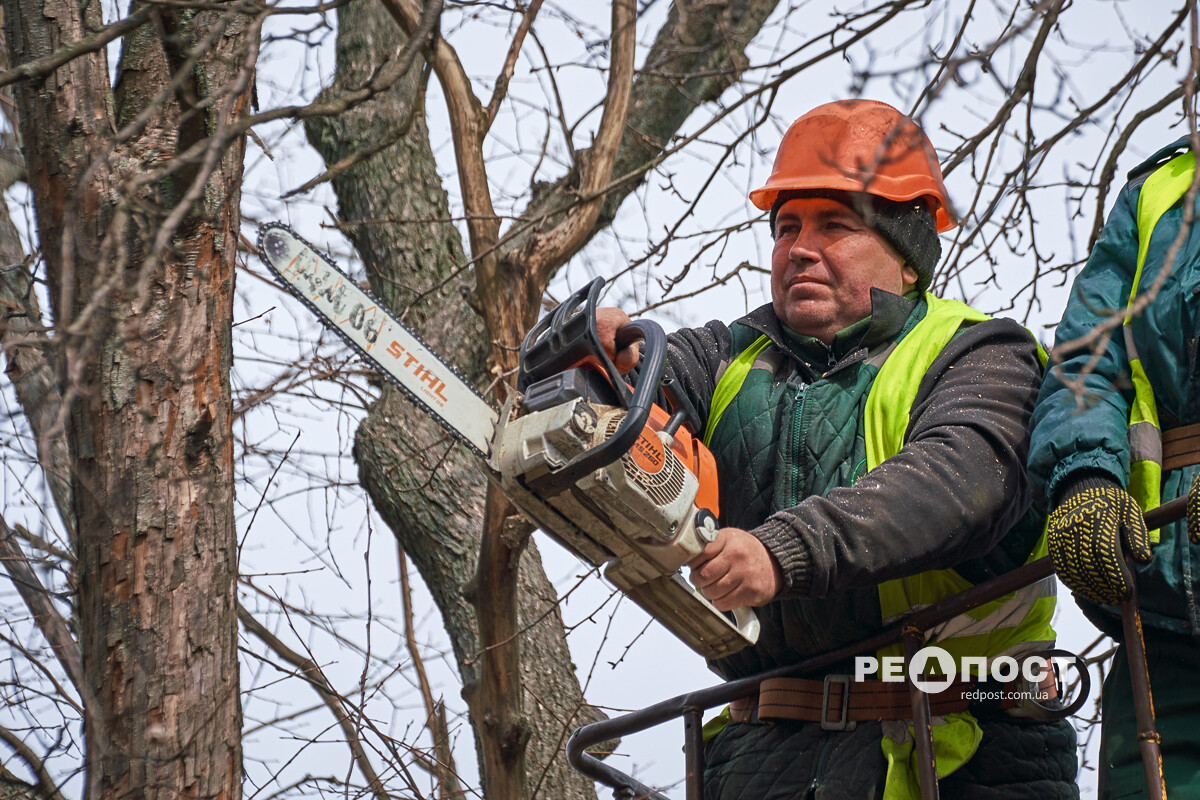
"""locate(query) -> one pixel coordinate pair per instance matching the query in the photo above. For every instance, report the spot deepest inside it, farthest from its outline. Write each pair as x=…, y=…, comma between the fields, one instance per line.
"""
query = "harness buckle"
x=844, y=724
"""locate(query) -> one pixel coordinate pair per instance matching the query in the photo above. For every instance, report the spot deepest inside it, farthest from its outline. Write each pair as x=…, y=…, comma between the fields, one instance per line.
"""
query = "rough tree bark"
x=430, y=493
x=142, y=346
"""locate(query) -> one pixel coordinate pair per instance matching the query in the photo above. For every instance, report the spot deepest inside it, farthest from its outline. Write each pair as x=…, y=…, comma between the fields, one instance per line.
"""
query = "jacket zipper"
x=800, y=419
x=799, y=435
x=819, y=767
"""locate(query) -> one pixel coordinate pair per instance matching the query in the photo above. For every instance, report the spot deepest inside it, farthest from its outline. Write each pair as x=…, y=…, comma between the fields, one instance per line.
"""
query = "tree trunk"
x=143, y=347
x=430, y=493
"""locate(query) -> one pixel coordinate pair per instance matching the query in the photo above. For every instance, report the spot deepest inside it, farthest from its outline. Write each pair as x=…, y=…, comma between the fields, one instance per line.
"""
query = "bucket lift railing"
x=909, y=629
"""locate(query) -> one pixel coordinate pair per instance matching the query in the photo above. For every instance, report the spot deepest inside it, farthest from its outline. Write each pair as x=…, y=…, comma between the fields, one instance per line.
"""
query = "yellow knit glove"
x=1193, y=511
x=1089, y=534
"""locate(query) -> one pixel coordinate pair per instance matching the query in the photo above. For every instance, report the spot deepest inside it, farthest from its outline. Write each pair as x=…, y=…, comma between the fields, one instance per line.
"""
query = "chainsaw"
x=597, y=464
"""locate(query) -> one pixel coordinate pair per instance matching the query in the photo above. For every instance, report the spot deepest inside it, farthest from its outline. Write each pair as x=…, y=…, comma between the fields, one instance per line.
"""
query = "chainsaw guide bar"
x=607, y=482
x=372, y=331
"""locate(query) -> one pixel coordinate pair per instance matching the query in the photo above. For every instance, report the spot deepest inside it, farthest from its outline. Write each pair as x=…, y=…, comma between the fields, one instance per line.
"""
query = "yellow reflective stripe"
x=1131, y=352
x=1161, y=190
x=1145, y=485
x=1003, y=629
x=731, y=383
x=1005, y=612
x=712, y=727
x=885, y=423
x=956, y=737
x=1043, y=356
x=1159, y=193
x=1145, y=446
x=885, y=416
x=1029, y=606
x=1017, y=622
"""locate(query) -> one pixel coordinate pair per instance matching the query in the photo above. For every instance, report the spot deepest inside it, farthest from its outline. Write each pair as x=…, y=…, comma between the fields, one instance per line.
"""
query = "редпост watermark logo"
x=1034, y=669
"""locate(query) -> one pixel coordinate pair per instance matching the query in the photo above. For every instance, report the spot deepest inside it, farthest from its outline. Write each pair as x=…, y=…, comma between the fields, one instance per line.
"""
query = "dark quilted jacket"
x=791, y=456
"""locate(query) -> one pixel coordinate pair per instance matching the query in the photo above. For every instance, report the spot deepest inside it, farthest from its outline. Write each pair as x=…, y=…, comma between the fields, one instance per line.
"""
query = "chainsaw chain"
x=363, y=354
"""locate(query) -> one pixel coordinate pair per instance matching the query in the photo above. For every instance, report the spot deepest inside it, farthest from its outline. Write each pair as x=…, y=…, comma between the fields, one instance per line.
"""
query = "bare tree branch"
x=46, y=788
x=510, y=61
x=45, y=615
x=312, y=673
x=468, y=125
x=435, y=711
x=44, y=65
x=545, y=253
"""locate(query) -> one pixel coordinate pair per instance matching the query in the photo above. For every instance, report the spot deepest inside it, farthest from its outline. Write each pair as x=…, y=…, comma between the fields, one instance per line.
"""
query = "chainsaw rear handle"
x=641, y=399
x=567, y=338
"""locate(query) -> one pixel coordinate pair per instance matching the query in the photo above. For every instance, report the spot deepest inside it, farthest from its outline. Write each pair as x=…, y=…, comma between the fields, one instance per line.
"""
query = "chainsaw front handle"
x=567, y=338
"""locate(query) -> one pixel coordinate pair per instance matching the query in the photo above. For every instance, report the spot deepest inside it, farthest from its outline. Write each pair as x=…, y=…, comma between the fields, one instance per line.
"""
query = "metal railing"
x=909, y=629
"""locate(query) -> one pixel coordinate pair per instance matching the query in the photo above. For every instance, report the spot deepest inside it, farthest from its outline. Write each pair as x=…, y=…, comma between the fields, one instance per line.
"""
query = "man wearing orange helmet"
x=870, y=440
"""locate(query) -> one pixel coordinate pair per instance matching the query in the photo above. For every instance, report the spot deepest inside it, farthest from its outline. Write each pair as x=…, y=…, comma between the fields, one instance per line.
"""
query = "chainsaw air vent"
x=662, y=487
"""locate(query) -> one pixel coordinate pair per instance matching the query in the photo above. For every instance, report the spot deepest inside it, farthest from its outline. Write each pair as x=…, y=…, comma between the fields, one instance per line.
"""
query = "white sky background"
x=655, y=666
x=321, y=546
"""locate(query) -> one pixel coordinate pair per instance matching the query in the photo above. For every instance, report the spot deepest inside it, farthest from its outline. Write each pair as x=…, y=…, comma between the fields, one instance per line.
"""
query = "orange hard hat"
x=858, y=146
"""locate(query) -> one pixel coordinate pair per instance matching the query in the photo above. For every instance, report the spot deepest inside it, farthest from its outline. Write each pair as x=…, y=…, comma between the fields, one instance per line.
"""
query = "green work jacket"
x=1076, y=433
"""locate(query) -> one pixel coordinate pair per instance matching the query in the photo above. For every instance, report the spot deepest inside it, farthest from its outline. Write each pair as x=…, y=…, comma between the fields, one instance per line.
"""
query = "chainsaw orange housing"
x=694, y=455
x=689, y=449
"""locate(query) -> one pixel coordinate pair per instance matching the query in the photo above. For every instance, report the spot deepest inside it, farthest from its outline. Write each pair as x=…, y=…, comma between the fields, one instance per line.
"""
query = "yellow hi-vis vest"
x=1161, y=190
x=1015, y=624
